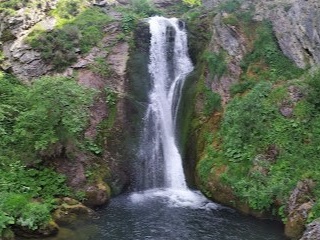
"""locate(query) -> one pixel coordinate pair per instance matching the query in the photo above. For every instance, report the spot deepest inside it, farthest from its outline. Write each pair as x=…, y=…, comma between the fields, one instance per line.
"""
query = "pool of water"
x=163, y=214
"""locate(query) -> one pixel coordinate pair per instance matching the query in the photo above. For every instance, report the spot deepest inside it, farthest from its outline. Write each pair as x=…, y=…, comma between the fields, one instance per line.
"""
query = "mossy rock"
x=7, y=36
x=69, y=211
x=97, y=194
x=47, y=230
x=7, y=234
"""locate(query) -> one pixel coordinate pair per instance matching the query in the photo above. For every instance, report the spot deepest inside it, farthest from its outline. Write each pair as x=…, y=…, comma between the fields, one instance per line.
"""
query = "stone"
x=299, y=205
x=97, y=194
x=69, y=211
x=313, y=231
x=50, y=229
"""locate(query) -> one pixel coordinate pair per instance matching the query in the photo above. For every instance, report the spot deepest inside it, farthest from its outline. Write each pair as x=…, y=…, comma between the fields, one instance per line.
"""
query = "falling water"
x=169, y=65
x=163, y=207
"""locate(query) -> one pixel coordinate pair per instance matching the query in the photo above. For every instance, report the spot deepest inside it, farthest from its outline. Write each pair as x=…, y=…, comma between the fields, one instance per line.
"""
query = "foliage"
x=56, y=113
x=216, y=63
x=144, y=8
x=20, y=186
x=252, y=124
x=101, y=67
x=68, y=9
x=75, y=33
x=266, y=59
x=33, y=119
x=241, y=87
x=230, y=6
x=192, y=2
x=212, y=102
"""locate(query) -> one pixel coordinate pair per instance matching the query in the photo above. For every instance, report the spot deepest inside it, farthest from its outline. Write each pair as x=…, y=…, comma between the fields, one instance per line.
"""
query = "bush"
x=268, y=58
x=212, y=102
x=216, y=63
x=57, y=112
x=81, y=32
x=230, y=6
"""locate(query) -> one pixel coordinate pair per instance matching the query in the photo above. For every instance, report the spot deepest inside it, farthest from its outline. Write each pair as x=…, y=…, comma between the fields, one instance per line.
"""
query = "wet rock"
x=313, y=231
x=50, y=229
x=299, y=205
x=69, y=211
x=97, y=194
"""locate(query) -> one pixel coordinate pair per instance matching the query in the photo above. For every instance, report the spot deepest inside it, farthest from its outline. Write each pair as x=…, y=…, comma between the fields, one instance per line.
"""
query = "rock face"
x=227, y=39
x=299, y=205
x=313, y=231
x=297, y=27
x=24, y=62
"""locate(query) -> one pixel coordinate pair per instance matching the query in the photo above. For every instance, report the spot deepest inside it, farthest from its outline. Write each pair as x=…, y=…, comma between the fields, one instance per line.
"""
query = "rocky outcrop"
x=230, y=42
x=20, y=59
x=69, y=211
x=50, y=229
x=299, y=205
x=313, y=231
x=297, y=27
x=97, y=194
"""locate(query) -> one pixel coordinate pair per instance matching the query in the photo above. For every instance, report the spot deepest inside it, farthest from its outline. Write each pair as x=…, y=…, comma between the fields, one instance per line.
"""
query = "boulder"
x=50, y=229
x=97, y=194
x=299, y=205
x=69, y=211
x=313, y=231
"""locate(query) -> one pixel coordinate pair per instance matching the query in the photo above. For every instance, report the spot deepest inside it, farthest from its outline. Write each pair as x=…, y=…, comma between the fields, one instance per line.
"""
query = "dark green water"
x=162, y=215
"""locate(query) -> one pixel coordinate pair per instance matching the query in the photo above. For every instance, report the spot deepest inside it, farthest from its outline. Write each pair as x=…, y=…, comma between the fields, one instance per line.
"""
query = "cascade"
x=169, y=64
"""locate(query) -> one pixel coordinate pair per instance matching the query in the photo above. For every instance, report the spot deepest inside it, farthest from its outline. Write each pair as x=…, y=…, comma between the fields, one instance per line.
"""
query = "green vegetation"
x=216, y=63
x=101, y=67
x=19, y=189
x=36, y=123
x=230, y=6
x=35, y=120
x=266, y=58
x=212, y=102
x=252, y=129
x=79, y=29
x=192, y=2
x=137, y=10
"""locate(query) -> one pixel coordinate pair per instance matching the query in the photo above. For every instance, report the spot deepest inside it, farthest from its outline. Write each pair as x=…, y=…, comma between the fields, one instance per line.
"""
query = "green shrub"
x=144, y=8
x=78, y=33
x=101, y=67
x=34, y=215
x=230, y=6
x=267, y=51
x=216, y=63
x=241, y=87
x=192, y=2
x=57, y=113
x=212, y=102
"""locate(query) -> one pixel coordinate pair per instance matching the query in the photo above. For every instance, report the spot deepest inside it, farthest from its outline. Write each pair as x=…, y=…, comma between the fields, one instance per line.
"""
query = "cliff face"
x=254, y=103
x=254, y=79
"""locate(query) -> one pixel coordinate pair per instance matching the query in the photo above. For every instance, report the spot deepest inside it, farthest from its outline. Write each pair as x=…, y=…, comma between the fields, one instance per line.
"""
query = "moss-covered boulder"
x=97, y=194
x=47, y=230
x=69, y=211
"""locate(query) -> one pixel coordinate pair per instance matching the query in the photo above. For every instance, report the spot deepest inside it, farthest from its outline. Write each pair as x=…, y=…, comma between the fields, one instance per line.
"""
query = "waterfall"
x=169, y=64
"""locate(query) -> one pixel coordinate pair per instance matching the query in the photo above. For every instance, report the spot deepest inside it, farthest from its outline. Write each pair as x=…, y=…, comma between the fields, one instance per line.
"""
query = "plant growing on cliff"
x=216, y=63
x=270, y=62
x=75, y=34
x=192, y=3
x=57, y=112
